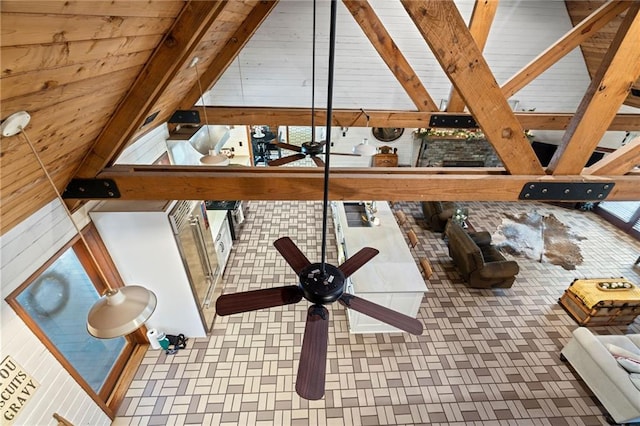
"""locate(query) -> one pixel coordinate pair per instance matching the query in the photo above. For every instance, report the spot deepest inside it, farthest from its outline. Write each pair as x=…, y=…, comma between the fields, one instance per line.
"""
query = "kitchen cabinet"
x=221, y=233
x=391, y=279
x=223, y=244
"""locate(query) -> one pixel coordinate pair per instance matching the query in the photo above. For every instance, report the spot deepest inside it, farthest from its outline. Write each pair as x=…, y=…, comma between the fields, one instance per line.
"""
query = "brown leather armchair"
x=478, y=261
x=437, y=213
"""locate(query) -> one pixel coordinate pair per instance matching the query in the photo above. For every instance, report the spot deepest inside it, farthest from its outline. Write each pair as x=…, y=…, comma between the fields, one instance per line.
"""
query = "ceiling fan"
x=319, y=283
x=311, y=149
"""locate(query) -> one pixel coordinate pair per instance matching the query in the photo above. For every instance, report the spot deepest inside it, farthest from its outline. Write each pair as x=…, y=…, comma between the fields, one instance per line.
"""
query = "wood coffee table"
x=592, y=306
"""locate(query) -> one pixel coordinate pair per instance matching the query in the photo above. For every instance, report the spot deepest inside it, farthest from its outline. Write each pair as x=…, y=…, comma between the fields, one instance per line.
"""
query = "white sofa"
x=587, y=354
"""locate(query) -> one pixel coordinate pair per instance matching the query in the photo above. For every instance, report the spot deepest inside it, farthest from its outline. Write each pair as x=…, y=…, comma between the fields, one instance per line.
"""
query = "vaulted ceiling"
x=96, y=75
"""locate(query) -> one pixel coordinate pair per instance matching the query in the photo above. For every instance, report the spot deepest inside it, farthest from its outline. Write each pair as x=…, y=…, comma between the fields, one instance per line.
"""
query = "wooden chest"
x=385, y=160
x=610, y=308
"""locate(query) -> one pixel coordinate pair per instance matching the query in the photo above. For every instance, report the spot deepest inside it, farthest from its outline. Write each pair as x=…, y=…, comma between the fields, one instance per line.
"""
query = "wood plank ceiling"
x=90, y=73
x=594, y=48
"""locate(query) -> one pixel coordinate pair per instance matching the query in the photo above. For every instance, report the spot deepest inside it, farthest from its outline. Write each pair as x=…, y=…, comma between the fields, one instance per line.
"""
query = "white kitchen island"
x=391, y=279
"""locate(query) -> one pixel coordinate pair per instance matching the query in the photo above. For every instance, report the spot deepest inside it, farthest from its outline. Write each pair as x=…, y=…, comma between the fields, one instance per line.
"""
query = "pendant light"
x=122, y=310
x=213, y=158
x=363, y=148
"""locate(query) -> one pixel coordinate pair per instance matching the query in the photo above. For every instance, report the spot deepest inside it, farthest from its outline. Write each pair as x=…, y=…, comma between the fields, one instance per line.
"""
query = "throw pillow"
x=617, y=351
x=635, y=379
x=628, y=364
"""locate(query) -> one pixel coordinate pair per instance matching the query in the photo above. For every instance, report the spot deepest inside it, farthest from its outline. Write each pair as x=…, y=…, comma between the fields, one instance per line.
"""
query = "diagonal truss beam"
x=381, y=40
x=572, y=39
x=171, y=55
x=445, y=32
x=229, y=52
x=619, y=162
x=481, y=19
x=619, y=69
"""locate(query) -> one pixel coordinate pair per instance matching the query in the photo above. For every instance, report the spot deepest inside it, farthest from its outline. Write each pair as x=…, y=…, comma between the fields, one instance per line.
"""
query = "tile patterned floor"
x=487, y=357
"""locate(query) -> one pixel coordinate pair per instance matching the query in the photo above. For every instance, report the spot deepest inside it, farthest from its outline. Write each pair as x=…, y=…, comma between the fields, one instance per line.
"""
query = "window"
x=54, y=303
x=623, y=214
x=59, y=301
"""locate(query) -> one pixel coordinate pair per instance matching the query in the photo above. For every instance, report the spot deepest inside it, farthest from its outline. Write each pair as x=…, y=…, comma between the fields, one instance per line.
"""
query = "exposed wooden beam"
x=619, y=69
x=572, y=39
x=355, y=118
x=381, y=40
x=445, y=32
x=171, y=55
x=229, y=52
x=481, y=19
x=306, y=183
x=619, y=162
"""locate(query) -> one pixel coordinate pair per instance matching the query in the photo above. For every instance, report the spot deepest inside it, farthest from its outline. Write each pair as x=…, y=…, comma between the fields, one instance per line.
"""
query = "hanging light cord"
x=204, y=107
x=68, y=212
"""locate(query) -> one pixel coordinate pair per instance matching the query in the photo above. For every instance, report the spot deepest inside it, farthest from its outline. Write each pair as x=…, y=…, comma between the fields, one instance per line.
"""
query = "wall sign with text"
x=16, y=388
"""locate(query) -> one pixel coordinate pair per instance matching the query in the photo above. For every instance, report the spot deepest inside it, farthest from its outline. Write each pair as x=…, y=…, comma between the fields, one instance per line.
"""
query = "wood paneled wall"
x=69, y=64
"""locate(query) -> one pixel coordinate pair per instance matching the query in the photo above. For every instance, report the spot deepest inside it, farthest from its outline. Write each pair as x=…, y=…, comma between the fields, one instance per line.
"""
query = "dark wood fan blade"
x=292, y=254
x=356, y=261
x=381, y=313
x=246, y=301
x=288, y=146
x=313, y=356
x=318, y=161
x=285, y=160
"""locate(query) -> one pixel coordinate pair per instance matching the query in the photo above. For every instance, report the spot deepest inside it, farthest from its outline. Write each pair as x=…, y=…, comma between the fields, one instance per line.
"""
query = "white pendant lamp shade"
x=214, y=160
x=122, y=311
x=365, y=149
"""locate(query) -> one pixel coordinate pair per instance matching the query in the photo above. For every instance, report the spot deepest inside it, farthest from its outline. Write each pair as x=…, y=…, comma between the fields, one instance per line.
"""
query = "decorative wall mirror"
x=387, y=134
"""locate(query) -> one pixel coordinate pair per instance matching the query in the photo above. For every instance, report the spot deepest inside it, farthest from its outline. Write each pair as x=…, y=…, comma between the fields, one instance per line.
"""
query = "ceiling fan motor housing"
x=312, y=148
x=322, y=288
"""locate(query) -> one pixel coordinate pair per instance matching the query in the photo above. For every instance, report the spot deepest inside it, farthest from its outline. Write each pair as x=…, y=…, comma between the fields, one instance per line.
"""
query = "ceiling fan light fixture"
x=364, y=149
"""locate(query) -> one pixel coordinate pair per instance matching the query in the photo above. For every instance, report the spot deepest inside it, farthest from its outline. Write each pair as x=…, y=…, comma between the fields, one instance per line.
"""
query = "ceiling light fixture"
x=363, y=148
x=213, y=157
x=122, y=310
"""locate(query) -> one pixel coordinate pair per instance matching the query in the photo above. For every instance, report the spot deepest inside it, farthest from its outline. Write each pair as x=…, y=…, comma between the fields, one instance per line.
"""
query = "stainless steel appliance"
x=197, y=250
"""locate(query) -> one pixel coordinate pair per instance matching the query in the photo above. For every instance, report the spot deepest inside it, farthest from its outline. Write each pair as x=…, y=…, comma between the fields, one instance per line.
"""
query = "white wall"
x=521, y=30
x=24, y=249
x=147, y=148
x=406, y=145
x=282, y=78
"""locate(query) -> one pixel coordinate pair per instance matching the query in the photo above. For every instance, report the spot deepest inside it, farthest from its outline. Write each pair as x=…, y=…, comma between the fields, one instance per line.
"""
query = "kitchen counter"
x=392, y=278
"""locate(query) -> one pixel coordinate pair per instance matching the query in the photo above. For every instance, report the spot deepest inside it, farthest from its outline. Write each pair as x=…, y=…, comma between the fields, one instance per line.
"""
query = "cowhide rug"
x=538, y=237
